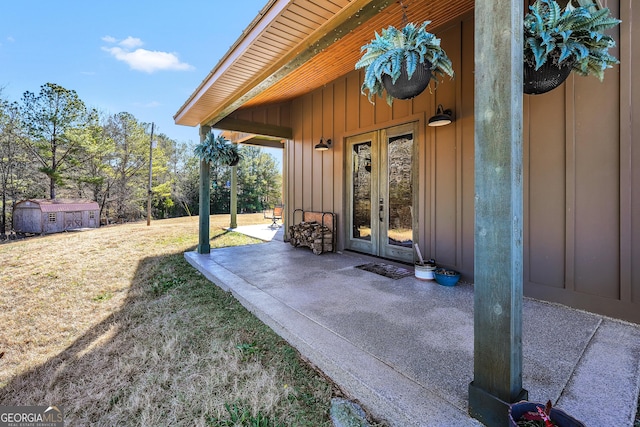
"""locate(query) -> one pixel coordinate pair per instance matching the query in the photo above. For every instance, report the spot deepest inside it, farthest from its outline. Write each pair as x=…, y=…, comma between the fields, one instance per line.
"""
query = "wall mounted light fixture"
x=442, y=117
x=323, y=146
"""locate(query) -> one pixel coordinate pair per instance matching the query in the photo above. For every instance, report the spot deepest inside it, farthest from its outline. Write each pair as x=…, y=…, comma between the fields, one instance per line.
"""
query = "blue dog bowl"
x=446, y=279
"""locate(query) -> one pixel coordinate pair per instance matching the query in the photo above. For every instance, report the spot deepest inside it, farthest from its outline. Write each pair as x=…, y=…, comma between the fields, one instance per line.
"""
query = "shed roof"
x=296, y=46
x=60, y=205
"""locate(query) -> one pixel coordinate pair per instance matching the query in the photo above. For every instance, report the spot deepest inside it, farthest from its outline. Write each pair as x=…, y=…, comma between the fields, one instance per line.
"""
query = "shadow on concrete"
x=404, y=348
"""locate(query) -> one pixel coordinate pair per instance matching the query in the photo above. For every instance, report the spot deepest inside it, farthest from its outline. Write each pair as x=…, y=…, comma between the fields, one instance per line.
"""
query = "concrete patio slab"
x=404, y=348
x=266, y=232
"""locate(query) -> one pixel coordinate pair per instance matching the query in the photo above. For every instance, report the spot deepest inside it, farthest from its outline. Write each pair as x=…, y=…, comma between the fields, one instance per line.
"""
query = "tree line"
x=53, y=146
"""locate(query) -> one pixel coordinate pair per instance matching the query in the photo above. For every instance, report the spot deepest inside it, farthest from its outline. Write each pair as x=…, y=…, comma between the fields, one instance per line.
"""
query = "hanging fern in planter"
x=571, y=38
x=217, y=151
x=397, y=52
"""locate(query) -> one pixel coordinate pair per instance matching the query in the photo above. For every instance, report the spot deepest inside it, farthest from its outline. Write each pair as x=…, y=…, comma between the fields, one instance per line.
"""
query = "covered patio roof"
x=296, y=46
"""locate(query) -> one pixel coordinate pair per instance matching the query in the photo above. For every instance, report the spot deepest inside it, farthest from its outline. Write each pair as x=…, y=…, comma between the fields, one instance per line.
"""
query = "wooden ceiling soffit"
x=340, y=58
x=348, y=20
x=229, y=123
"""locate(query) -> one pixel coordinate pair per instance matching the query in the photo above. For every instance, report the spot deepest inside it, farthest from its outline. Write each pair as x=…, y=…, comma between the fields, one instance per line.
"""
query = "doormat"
x=386, y=270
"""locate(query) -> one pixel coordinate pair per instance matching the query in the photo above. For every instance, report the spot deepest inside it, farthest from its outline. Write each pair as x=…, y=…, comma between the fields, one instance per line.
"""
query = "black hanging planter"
x=548, y=77
x=405, y=88
x=235, y=160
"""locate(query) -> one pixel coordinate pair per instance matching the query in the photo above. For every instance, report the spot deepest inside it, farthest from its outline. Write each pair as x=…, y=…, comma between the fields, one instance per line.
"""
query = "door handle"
x=381, y=210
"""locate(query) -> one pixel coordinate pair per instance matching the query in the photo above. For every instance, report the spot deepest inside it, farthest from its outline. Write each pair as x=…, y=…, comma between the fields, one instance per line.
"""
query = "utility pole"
x=150, y=169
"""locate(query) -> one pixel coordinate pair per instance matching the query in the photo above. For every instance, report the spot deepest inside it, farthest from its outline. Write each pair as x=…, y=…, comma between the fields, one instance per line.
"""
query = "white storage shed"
x=44, y=216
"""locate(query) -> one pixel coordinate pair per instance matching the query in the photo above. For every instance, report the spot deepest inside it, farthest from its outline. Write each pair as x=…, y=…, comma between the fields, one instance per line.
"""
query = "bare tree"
x=93, y=179
x=13, y=159
x=126, y=164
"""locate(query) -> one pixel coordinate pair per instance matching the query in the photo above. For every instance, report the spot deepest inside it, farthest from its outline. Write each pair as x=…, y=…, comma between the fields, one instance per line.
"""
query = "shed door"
x=380, y=190
x=72, y=220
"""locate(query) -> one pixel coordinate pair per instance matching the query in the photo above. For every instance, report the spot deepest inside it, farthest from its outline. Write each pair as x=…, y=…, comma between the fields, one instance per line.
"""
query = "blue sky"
x=142, y=57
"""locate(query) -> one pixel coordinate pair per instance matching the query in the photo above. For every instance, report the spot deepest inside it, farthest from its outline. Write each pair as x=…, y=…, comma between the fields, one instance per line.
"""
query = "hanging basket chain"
x=405, y=20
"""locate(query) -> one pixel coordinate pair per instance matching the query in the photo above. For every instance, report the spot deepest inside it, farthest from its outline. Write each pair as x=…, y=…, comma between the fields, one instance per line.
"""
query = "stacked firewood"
x=313, y=235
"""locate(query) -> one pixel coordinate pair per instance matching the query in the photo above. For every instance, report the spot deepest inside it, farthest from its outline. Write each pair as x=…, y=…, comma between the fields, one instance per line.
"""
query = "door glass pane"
x=400, y=227
x=361, y=164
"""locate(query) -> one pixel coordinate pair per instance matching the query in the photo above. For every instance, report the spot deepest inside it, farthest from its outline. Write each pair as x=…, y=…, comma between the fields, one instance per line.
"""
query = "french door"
x=381, y=188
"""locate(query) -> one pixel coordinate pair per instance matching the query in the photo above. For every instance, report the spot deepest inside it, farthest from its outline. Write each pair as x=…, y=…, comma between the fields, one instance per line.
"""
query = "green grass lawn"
x=114, y=326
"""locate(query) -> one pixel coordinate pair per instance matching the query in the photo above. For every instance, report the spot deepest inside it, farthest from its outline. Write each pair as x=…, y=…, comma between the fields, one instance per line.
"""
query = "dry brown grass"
x=113, y=325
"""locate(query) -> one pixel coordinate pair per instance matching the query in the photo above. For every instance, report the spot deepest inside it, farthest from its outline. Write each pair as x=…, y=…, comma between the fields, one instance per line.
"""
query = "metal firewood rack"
x=325, y=220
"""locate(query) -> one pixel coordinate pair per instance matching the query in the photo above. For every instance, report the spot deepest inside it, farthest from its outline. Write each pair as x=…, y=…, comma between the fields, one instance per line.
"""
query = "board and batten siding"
x=581, y=171
x=582, y=203
x=316, y=180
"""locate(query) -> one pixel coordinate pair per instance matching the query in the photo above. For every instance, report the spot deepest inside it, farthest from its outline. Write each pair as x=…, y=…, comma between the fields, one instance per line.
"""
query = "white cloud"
x=145, y=60
x=131, y=42
x=11, y=39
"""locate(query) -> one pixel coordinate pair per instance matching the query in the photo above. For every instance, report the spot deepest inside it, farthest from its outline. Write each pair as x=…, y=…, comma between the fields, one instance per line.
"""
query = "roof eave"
x=249, y=34
x=322, y=37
